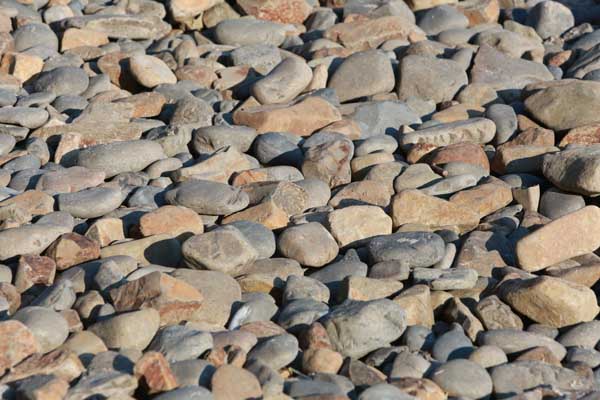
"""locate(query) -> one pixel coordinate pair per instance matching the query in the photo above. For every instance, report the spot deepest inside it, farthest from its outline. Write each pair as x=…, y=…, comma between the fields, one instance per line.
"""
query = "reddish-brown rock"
x=71, y=249
x=17, y=344
x=64, y=364
x=34, y=270
x=153, y=368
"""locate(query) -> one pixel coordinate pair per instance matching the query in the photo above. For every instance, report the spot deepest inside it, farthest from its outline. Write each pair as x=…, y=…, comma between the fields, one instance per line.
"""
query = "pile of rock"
x=335, y=199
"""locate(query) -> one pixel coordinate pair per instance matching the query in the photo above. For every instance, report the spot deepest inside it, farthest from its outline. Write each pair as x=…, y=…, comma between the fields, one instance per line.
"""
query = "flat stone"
x=416, y=302
x=349, y=81
x=28, y=239
x=532, y=250
x=501, y=72
x=515, y=341
x=474, y=130
x=248, y=385
x=47, y=326
x=286, y=12
x=90, y=203
x=246, y=31
x=414, y=207
x=159, y=249
x=463, y=378
x=20, y=343
x=573, y=169
x=206, y=197
x=430, y=78
x=354, y=225
x=302, y=118
x=551, y=301
x=286, y=81
x=357, y=328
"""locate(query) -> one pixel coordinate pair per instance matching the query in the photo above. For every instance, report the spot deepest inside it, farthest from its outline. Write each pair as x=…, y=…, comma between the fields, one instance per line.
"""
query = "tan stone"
x=266, y=213
x=11, y=295
x=75, y=37
x=319, y=78
x=321, y=360
x=551, y=301
x=283, y=11
x=361, y=165
x=480, y=11
x=586, y=275
x=470, y=153
x=417, y=5
x=218, y=13
x=420, y=388
x=63, y=364
x=200, y=74
x=176, y=221
x=246, y=385
x=588, y=134
x=174, y=299
x=85, y=343
x=529, y=197
x=145, y=105
x=458, y=112
x=34, y=202
x=569, y=236
x=17, y=344
x=482, y=251
x=362, y=192
x=416, y=302
x=414, y=207
x=514, y=159
x=67, y=142
x=73, y=321
x=219, y=167
x=497, y=315
x=351, y=226
x=302, y=118
x=532, y=137
x=542, y=354
x=71, y=249
x=456, y=311
x=89, y=134
x=153, y=368
x=34, y=270
x=105, y=231
x=484, y=199
x=346, y=127
x=370, y=33
x=23, y=66
x=158, y=249
x=183, y=10
x=365, y=289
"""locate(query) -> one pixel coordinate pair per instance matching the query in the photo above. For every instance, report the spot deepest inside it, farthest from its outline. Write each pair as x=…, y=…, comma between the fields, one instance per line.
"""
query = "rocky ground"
x=344, y=199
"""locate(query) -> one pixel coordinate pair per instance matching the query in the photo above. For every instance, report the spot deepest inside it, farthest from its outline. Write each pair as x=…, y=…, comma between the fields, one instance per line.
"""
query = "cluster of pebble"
x=299, y=199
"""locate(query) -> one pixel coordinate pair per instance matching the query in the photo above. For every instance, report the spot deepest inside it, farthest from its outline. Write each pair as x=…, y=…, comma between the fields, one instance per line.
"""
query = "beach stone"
x=352, y=326
x=463, y=378
x=415, y=249
x=150, y=71
x=206, y=197
x=71, y=249
x=430, y=78
x=519, y=376
x=172, y=220
x=283, y=83
x=550, y=18
x=414, y=207
x=416, y=301
x=349, y=81
x=19, y=344
x=294, y=12
x=501, y=72
x=133, y=330
x=555, y=204
x=353, y=225
x=62, y=81
x=48, y=327
x=494, y=314
x=515, y=341
x=24, y=116
x=247, y=31
x=544, y=300
x=474, y=130
x=532, y=250
x=329, y=162
x=309, y=244
x=301, y=118
x=248, y=385
x=118, y=157
x=90, y=203
x=568, y=169
x=29, y=239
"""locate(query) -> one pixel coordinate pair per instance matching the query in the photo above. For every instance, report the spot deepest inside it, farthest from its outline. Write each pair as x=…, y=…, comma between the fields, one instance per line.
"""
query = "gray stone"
x=430, y=78
x=356, y=328
x=131, y=330
x=574, y=169
x=452, y=345
x=299, y=314
x=207, y=197
x=90, y=203
x=276, y=351
x=211, y=138
x=62, y=81
x=555, y=204
x=276, y=148
x=178, y=343
x=383, y=117
x=261, y=57
x=284, y=82
x=259, y=236
x=24, y=116
x=550, y=18
x=29, y=239
x=188, y=393
x=585, y=335
x=35, y=35
x=246, y=31
x=363, y=74
x=513, y=341
x=441, y=18
x=384, y=391
x=460, y=378
x=117, y=157
x=474, y=130
x=505, y=119
x=48, y=327
x=414, y=249
x=225, y=249
x=304, y=287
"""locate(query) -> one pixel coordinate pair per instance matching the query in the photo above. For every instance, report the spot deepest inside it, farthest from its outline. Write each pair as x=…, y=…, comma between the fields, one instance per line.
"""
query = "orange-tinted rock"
x=106, y=230
x=302, y=118
x=414, y=207
x=153, y=368
x=71, y=249
x=370, y=33
x=74, y=37
x=534, y=137
x=34, y=270
x=560, y=58
x=174, y=299
x=480, y=11
x=315, y=337
x=284, y=11
x=172, y=220
x=198, y=73
x=23, y=66
x=519, y=159
x=63, y=364
x=484, y=199
x=33, y=201
x=461, y=152
x=321, y=360
x=234, y=383
x=145, y=105
x=17, y=344
x=589, y=134
x=266, y=213
x=346, y=127
x=11, y=295
x=542, y=354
